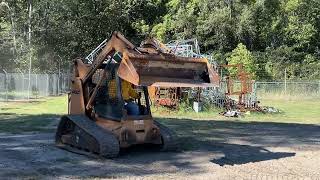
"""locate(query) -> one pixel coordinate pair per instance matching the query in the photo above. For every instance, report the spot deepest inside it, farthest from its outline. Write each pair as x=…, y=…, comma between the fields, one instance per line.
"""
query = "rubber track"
x=108, y=143
x=169, y=137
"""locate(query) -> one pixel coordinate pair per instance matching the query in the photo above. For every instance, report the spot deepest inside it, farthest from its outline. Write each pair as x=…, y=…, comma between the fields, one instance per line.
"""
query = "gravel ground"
x=230, y=150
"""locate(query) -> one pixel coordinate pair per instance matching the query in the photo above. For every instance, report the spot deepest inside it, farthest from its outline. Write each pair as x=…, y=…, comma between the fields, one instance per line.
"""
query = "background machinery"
x=97, y=124
x=241, y=86
x=171, y=96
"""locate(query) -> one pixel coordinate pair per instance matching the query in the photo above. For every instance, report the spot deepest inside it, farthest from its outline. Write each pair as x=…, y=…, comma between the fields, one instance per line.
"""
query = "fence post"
x=255, y=83
x=285, y=81
x=6, y=83
x=59, y=83
x=37, y=88
x=47, y=90
x=22, y=76
x=29, y=82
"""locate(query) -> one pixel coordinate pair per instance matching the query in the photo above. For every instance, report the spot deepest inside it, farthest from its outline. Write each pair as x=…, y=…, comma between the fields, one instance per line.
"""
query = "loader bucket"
x=167, y=70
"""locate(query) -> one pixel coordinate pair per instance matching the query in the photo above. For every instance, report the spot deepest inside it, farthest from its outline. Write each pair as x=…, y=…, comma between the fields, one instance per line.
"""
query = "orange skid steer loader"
x=98, y=123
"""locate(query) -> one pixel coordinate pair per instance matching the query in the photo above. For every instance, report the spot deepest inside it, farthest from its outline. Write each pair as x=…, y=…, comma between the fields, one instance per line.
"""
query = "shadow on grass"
x=20, y=123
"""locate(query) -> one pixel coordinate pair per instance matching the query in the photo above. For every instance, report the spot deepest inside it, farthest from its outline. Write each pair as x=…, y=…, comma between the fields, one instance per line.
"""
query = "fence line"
x=289, y=88
x=294, y=88
x=265, y=90
x=14, y=86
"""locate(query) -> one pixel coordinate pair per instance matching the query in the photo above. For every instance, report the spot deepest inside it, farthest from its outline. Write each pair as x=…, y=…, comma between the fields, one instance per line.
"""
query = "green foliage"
x=241, y=55
x=6, y=44
x=278, y=33
x=283, y=58
x=300, y=29
x=65, y=29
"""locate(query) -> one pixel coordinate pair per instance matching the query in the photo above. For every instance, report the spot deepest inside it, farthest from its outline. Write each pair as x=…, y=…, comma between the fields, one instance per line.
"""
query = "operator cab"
x=109, y=102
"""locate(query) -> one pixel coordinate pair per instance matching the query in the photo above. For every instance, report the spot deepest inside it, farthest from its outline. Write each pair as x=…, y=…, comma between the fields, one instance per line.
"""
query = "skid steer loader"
x=98, y=124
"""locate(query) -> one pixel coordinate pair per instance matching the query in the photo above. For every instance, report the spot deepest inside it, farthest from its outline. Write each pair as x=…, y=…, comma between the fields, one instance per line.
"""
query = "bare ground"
x=211, y=150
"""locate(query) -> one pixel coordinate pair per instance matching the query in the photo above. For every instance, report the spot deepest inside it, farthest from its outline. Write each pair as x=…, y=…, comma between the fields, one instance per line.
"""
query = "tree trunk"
x=29, y=43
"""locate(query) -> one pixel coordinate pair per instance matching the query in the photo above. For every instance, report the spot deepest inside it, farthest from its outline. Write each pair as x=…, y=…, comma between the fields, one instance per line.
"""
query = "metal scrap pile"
x=236, y=94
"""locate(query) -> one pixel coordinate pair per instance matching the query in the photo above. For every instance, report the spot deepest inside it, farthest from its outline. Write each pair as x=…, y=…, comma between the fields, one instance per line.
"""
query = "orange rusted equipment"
x=99, y=122
x=167, y=97
x=246, y=84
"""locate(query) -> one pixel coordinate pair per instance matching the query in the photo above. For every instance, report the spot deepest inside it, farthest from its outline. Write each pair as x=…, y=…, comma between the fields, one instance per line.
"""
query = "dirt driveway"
x=211, y=150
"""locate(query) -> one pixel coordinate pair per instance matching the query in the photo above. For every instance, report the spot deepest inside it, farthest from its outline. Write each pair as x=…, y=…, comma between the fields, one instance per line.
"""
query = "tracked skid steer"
x=97, y=123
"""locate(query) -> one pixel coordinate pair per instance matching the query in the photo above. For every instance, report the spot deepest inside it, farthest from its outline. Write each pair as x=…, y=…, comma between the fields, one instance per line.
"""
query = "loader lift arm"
x=117, y=43
x=147, y=67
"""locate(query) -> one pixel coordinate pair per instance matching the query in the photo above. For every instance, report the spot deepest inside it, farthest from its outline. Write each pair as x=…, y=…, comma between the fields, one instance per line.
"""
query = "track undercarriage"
x=79, y=134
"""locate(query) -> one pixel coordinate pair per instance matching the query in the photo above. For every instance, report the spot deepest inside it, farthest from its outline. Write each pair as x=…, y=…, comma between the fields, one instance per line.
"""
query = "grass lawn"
x=292, y=111
x=51, y=105
x=18, y=117
x=295, y=111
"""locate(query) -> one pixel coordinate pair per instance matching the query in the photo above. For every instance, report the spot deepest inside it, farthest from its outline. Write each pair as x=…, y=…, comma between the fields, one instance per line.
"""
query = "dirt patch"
x=211, y=150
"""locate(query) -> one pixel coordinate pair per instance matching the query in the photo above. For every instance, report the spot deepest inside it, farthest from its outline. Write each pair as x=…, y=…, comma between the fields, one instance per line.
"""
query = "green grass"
x=304, y=96
x=12, y=95
x=52, y=105
x=292, y=111
x=16, y=117
x=296, y=111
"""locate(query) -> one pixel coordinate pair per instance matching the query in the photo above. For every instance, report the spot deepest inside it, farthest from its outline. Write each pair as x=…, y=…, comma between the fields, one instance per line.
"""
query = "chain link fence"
x=20, y=87
x=284, y=90
x=300, y=89
x=15, y=87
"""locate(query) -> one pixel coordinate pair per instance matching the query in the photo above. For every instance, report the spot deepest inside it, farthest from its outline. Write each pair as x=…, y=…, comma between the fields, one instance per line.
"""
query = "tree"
x=302, y=26
x=72, y=28
x=6, y=46
x=279, y=33
x=241, y=55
